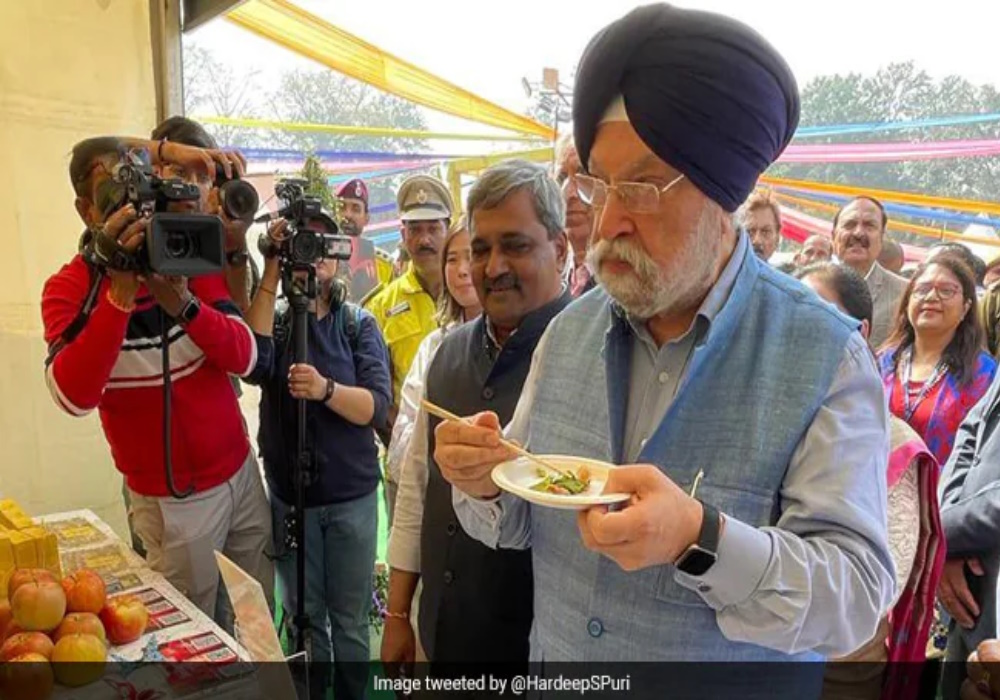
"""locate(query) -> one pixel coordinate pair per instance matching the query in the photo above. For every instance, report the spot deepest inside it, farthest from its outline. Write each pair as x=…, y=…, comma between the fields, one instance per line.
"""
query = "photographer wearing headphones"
x=346, y=383
x=105, y=323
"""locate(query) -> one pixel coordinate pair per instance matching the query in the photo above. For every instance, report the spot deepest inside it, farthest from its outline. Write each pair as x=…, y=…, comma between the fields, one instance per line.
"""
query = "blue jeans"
x=341, y=542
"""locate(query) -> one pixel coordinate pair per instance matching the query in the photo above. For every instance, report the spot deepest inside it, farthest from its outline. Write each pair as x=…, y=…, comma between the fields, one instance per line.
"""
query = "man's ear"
x=561, y=242
x=84, y=208
x=866, y=329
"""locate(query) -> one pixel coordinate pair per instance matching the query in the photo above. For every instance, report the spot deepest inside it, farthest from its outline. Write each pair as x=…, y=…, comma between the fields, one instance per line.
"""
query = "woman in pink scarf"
x=915, y=535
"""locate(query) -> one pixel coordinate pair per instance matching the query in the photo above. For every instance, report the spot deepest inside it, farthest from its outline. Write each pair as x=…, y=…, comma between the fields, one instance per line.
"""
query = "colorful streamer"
x=966, y=205
x=294, y=28
x=911, y=211
x=887, y=152
x=356, y=130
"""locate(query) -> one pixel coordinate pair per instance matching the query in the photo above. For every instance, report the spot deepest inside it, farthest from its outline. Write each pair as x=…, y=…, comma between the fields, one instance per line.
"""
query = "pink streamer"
x=883, y=152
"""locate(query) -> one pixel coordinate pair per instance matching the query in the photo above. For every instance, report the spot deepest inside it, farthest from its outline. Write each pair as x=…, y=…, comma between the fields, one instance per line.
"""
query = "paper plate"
x=519, y=475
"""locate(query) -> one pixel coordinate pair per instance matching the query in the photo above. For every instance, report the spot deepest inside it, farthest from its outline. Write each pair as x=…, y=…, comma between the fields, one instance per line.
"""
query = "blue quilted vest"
x=750, y=391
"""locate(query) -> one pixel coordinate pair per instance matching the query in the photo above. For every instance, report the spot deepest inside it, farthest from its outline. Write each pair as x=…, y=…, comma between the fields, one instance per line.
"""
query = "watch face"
x=696, y=561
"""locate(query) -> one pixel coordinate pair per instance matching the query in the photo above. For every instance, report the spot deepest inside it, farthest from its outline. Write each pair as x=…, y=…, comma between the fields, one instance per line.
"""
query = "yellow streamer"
x=963, y=205
x=475, y=164
x=357, y=130
x=916, y=229
x=308, y=35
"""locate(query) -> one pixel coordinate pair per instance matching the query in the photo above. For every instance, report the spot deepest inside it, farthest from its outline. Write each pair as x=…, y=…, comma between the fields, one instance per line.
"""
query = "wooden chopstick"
x=513, y=446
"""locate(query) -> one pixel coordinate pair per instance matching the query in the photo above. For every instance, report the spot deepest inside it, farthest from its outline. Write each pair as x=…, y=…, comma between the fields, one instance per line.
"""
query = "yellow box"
x=11, y=515
x=25, y=555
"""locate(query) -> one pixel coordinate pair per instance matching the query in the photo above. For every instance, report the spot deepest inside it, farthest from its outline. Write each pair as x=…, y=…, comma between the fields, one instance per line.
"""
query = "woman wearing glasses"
x=933, y=364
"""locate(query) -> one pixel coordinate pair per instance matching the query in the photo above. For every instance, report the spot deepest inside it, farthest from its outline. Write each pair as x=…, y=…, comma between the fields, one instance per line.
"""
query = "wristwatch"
x=701, y=556
x=189, y=311
x=330, y=386
x=237, y=258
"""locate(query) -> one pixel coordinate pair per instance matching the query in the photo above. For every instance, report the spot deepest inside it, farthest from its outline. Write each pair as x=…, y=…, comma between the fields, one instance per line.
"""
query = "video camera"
x=177, y=243
x=313, y=235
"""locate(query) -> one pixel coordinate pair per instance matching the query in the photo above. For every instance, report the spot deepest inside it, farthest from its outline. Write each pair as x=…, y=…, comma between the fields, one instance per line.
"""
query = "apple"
x=26, y=643
x=125, y=619
x=27, y=677
x=12, y=629
x=80, y=623
x=23, y=576
x=5, y=618
x=78, y=659
x=85, y=592
x=38, y=606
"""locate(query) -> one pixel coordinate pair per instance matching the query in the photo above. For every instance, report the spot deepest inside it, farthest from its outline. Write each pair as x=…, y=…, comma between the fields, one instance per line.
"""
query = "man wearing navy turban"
x=748, y=413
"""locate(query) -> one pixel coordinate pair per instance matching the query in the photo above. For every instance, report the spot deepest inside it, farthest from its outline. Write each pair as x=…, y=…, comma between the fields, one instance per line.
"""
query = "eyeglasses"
x=765, y=231
x=637, y=197
x=945, y=292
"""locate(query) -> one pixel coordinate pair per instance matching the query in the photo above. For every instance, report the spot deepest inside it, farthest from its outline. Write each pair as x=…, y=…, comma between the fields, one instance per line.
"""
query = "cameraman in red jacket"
x=114, y=364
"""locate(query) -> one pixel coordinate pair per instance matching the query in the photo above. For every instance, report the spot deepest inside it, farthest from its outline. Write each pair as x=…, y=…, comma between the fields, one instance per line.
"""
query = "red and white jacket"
x=115, y=365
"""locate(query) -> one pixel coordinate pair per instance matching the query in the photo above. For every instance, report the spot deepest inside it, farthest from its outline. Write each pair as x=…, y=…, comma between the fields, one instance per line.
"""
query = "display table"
x=178, y=636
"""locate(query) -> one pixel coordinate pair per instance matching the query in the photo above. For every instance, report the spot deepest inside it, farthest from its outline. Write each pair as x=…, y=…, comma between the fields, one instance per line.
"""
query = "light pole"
x=553, y=97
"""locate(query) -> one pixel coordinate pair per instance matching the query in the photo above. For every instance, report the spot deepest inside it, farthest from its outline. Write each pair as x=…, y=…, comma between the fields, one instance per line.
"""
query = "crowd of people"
x=810, y=450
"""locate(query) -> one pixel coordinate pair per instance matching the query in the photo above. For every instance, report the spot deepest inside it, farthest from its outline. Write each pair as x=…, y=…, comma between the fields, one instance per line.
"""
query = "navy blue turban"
x=705, y=93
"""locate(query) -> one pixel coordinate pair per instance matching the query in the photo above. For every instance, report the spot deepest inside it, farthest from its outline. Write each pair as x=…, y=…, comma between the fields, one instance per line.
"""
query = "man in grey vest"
x=858, y=235
x=750, y=413
x=476, y=601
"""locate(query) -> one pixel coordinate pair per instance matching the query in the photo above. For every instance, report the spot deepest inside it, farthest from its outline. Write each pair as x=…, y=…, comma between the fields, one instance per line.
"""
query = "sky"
x=488, y=47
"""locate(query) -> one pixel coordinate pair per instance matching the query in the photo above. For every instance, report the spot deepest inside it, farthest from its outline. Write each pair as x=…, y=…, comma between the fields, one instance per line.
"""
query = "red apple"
x=26, y=643
x=85, y=592
x=27, y=677
x=12, y=629
x=78, y=659
x=5, y=618
x=125, y=619
x=23, y=576
x=39, y=607
x=80, y=623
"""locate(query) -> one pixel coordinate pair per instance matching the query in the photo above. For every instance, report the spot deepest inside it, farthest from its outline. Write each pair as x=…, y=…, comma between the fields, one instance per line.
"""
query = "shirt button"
x=595, y=627
x=448, y=576
x=451, y=529
x=704, y=588
x=488, y=393
x=664, y=377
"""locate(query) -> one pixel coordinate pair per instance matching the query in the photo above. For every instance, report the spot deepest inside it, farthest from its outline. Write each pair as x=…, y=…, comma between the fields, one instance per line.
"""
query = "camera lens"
x=304, y=247
x=239, y=200
x=179, y=245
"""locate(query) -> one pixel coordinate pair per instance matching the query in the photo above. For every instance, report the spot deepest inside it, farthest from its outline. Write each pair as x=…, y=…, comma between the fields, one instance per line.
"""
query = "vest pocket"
x=753, y=508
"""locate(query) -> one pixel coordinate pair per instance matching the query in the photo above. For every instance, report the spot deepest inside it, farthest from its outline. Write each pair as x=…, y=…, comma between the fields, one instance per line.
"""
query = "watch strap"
x=237, y=258
x=708, y=538
x=330, y=387
x=189, y=311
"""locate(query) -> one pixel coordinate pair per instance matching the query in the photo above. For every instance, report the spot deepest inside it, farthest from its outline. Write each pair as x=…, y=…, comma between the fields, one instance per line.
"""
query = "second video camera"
x=313, y=235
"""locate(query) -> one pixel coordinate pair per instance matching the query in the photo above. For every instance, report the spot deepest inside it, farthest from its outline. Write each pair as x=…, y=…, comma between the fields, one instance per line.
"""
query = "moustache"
x=349, y=228
x=503, y=283
x=621, y=250
x=426, y=250
x=857, y=240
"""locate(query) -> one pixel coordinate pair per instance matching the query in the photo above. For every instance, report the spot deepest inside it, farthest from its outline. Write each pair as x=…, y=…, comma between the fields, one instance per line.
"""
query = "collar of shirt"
x=713, y=302
x=534, y=320
x=871, y=270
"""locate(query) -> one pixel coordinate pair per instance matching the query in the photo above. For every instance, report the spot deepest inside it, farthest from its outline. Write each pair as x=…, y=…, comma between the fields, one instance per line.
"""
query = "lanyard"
x=939, y=371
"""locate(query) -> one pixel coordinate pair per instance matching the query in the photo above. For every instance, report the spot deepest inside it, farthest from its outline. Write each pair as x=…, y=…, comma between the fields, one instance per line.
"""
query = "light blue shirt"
x=772, y=586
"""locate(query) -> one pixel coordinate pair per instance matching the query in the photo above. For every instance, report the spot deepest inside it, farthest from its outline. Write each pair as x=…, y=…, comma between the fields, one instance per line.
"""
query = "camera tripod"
x=301, y=293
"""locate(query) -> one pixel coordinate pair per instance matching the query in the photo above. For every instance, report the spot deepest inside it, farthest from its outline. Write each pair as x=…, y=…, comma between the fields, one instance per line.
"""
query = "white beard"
x=650, y=289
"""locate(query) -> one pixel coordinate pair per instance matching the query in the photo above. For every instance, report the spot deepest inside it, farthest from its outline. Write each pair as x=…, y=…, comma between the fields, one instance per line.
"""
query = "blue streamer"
x=348, y=156
x=871, y=127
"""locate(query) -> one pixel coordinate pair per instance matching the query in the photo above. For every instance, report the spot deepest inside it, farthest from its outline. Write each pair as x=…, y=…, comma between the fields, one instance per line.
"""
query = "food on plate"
x=566, y=483
x=125, y=619
x=79, y=659
x=38, y=606
x=85, y=592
